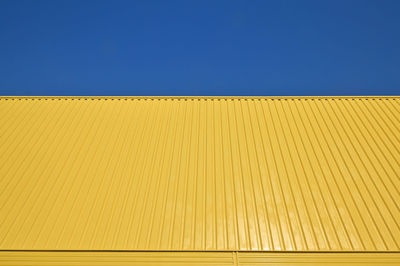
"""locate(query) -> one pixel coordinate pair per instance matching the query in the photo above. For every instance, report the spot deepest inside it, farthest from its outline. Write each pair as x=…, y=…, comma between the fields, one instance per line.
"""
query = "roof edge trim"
x=195, y=97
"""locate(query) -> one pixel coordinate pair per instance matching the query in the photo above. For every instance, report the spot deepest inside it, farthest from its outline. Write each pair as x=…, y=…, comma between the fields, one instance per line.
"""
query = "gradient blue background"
x=201, y=47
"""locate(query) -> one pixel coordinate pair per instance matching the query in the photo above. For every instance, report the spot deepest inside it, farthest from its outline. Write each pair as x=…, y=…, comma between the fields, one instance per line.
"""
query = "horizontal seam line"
x=202, y=251
x=203, y=97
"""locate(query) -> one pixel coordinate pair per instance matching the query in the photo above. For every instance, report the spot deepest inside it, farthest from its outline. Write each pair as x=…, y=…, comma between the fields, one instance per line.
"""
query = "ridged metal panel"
x=115, y=258
x=74, y=258
x=290, y=174
x=315, y=259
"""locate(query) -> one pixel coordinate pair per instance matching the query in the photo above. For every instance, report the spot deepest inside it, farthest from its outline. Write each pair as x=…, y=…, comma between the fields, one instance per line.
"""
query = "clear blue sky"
x=201, y=47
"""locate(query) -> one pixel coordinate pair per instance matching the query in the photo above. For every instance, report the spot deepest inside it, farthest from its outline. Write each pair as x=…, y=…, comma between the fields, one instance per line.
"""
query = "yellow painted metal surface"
x=206, y=174
x=315, y=259
x=74, y=258
x=115, y=258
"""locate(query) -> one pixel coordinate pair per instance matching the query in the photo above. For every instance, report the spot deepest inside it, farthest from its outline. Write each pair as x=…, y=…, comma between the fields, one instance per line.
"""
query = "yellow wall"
x=218, y=174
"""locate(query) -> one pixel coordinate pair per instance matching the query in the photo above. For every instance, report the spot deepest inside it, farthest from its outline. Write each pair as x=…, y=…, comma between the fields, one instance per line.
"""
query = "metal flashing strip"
x=194, y=97
x=195, y=258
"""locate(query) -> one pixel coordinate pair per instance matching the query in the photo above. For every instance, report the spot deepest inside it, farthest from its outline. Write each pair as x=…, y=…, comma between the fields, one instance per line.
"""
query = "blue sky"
x=200, y=47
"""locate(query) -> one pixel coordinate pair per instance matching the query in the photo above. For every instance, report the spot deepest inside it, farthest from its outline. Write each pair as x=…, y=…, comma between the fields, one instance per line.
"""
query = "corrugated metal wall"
x=74, y=258
x=249, y=174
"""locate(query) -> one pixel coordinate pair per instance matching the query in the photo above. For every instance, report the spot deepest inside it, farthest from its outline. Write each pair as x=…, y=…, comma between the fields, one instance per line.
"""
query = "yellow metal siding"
x=289, y=174
x=73, y=258
x=115, y=258
x=315, y=259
